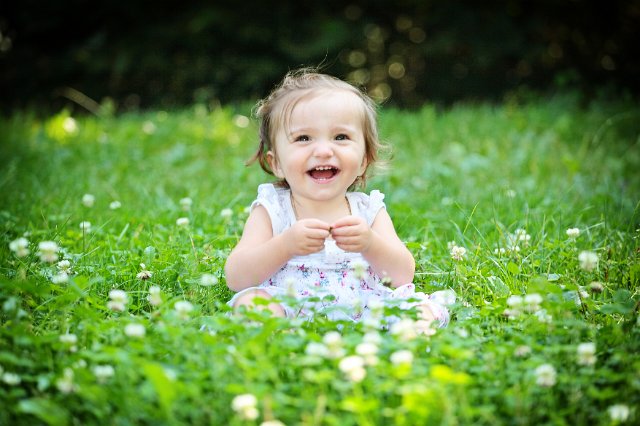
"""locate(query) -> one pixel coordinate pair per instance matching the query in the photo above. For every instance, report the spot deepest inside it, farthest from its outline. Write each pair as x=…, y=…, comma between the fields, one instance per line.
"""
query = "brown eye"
x=302, y=138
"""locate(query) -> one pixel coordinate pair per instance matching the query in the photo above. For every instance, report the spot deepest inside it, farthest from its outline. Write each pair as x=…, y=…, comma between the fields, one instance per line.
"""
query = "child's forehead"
x=305, y=98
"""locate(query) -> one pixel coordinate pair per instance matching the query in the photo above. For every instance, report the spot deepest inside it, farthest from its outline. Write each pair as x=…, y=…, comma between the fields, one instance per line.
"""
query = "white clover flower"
x=586, y=353
x=372, y=337
x=70, y=126
x=545, y=375
x=451, y=245
x=207, y=280
x=499, y=250
x=115, y=205
x=48, y=251
x=118, y=296
x=170, y=374
x=154, y=296
x=68, y=339
x=588, y=260
x=316, y=349
x=186, y=203
x=424, y=327
x=521, y=235
x=333, y=342
x=183, y=308
x=519, y=232
x=353, y=367
x=332, y=338
x=226, y=213
x=149, y=127
x=619, y=412
x=401, y=357
x=522, y=351
x=515, y=301
x=510, y=193
x=582, y=292
x=272, y=423
x=573, y=233
x=85, y=227
x=241, y=121
x=182, y=222
x=65, y=383
x=11, y=379
x=596, y=287
x=88, y=200
x=245, y=406
x=116, y=306
x=532, y=302
x=60, y=278
x=144, y=275
x=20, y=247
x=447, y=201
x=511, y=313
x=103, y=372
x=458, y=253
x=462, y=332
x=81, y=363
x=404, y=329
x=118, y=300
x=64, y=265
x=543, y=316
x=135, y=330
x=368, y=351
x=371, y=322
x=350, y=362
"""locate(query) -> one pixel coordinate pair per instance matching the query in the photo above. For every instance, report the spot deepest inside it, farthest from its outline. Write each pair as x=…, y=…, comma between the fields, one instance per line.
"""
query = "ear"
x=274, y=165
x=363, y=166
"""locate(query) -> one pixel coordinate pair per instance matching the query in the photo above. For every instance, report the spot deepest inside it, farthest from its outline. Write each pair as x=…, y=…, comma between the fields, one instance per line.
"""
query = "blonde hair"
x=274, y=111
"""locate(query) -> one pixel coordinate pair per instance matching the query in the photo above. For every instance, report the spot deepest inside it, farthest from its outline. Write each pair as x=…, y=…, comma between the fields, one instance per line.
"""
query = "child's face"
x=321, y=150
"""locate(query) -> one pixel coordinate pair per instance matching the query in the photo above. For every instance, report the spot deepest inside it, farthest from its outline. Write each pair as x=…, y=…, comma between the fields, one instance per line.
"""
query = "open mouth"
x=323, y=172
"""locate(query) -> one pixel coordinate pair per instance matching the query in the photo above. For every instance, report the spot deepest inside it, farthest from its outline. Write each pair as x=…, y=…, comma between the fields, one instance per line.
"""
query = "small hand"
x=352, y=233
x=306, y=236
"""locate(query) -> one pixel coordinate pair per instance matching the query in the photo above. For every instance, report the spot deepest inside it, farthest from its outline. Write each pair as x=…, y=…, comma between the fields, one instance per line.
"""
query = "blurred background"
x=149, y=54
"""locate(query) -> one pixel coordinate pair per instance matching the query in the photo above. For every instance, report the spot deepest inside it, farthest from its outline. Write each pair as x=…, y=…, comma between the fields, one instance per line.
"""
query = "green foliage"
x=505, y=183
x=131, y=55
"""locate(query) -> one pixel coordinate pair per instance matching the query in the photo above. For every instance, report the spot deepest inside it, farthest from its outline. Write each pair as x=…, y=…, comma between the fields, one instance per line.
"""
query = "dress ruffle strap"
x=269, y=198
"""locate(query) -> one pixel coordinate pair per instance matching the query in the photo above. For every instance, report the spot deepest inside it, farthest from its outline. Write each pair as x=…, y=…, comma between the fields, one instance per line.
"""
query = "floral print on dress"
x=332, y=271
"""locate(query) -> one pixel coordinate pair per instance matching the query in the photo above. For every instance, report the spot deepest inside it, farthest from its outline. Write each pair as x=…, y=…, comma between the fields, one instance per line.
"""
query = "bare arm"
x=259, y=254
x=379, y=244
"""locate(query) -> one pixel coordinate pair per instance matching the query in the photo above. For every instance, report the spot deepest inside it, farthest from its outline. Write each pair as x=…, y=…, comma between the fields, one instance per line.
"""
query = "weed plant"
x=115, y=230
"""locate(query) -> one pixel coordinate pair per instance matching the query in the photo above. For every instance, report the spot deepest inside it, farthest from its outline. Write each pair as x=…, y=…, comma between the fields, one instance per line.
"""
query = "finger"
x=314, y=248
x=349, y=247
x=346, y=231
x=317, y=234
x=343, y=242
x=316, y=224
x=347, y=221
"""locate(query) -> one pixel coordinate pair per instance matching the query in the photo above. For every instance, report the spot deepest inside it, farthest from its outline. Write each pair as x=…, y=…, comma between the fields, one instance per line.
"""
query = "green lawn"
x=542, y=333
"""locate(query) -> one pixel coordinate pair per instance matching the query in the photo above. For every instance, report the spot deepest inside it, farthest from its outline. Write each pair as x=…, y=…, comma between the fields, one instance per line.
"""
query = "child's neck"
x=327, y=211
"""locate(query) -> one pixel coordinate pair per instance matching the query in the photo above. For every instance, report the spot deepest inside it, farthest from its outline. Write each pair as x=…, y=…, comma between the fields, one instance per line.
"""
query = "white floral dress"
x=334, y=282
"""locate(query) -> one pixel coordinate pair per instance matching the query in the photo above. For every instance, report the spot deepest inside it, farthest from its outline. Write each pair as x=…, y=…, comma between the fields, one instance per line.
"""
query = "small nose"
x=323, y=149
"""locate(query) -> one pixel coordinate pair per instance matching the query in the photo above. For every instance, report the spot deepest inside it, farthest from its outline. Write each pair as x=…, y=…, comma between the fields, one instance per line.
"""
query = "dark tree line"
x=146, y=53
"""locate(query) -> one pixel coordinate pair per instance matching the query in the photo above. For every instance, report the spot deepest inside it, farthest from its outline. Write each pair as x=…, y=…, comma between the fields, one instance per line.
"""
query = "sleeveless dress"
x=333, y=282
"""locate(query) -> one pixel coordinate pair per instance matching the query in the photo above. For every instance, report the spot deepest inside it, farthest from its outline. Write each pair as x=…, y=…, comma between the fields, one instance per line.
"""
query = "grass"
x=503, y=181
